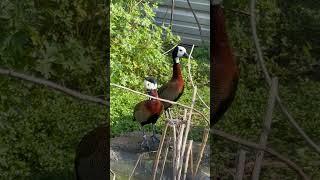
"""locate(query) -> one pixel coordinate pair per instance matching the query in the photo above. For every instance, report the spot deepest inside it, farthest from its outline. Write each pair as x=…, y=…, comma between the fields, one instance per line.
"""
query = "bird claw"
x=155, y=139
x=145, y=143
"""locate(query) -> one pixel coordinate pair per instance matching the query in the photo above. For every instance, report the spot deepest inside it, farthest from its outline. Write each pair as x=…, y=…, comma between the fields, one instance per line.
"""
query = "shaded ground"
x=125, y=150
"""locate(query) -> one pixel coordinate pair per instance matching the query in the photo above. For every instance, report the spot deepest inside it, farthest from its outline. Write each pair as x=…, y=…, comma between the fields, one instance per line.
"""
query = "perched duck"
x=225, y=72
x=91, y=155
x=173, y=89
x=148, y=111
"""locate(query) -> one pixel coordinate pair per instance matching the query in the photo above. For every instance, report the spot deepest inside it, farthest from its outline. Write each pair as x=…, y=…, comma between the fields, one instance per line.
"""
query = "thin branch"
x=165, y=158
x=165, y=15
x=172, y=11
x=195, y=17
x=187, y=160
x=136, y=165
x=240, y=164
x=191, y=79
x=170, y=49
x=239, y=12
x=179, y=149
x=191, y=162
x=174, y=160
x=160, y=99
x=114, y=174
x=54, y=86
x=249, y=144
x=185, y=137
x=266, y=128
x=203, y=145
x=156, y=162
x=268, y=79
x=256, y=41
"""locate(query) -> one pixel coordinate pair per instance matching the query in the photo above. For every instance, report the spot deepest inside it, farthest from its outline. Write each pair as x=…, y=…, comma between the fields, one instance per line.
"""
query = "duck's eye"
x=180, y=50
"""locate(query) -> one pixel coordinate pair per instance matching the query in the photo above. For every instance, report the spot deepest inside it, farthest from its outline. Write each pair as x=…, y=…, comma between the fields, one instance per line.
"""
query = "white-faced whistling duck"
x=225, y=72
x=148, y=111
x=173, y=89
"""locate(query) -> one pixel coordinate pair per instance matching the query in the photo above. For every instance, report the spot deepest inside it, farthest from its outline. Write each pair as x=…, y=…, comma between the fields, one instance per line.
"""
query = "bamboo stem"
x=165, y=157
x=185, y=138
x=203, y=145
x=156, y=162
x=136, y=165
x=191, y=79
x=266, y=128
x=114, y=175
x=179, y=149
x=191, y=162
x=240, y=164
x=187, y=159
x=174, y=153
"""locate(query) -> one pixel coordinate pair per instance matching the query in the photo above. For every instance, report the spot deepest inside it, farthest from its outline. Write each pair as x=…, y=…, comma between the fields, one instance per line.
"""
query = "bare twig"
x=174, y=174
x=53, y=85
x=187, y=159
x=172, y=12
x=136, y=165
x=164, y=100
x=266, y=129
x=156, y=161
x=239, y=12
x=203, y=145
x=170, y=49
x=113, y=174
x=241, y=161
x=165, y=157
x=191, y=163
x=185, y=138
x=195, y=17
x=287, y=161
x=191, y=79
x=268, y=79
x=179, y=148
x=165, y=15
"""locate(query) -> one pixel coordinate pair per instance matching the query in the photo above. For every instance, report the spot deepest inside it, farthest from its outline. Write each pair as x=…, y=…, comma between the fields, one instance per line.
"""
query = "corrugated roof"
x=184, y=23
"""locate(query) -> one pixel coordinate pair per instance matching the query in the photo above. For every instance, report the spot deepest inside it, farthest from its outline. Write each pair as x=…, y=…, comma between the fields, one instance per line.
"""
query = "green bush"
x=62, y=41
x=137, y=44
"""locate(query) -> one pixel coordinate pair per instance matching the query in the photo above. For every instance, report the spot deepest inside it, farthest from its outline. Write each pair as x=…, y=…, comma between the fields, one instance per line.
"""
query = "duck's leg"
x=145, y=143
x=166, y=114
x=153, y=137
x=169, y=112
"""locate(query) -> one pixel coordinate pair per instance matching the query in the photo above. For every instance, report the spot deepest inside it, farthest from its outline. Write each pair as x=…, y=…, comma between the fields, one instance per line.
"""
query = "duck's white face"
x=181, y=51
x=149, y=85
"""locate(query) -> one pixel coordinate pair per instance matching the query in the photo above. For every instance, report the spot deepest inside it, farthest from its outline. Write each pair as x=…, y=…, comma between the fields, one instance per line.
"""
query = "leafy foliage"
x=136, y=44
x=62, y=41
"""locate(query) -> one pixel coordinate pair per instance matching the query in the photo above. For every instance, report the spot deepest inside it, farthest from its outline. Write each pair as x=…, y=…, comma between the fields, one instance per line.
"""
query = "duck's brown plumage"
x=173, y=89
x=148, y=111
x=91, y=155
x=225, y=73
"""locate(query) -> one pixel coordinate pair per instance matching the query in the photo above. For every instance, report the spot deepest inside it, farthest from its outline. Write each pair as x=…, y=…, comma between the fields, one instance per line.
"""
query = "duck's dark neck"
x=219, y=27
x=153, y=93
x=176, y=71
x=220, y=38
